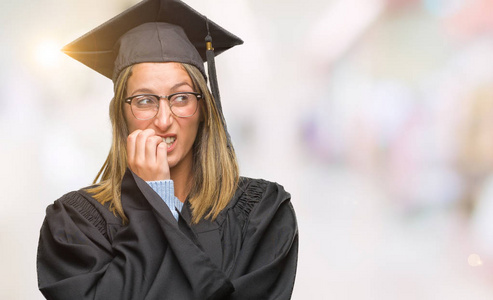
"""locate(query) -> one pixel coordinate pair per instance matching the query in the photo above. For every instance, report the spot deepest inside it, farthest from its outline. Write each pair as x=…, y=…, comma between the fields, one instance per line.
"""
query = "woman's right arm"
x=76, y=261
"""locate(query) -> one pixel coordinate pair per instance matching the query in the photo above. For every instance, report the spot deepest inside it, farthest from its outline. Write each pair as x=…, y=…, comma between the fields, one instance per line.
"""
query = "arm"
x=266, y=267
x=73, y=256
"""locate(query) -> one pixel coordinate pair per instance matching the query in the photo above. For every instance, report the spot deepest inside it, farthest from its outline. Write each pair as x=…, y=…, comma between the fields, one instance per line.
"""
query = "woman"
x=170, y=217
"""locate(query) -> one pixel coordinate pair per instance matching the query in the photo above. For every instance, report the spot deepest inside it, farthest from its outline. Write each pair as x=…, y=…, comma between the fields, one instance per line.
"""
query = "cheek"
x=197, y=124
x=191, y=129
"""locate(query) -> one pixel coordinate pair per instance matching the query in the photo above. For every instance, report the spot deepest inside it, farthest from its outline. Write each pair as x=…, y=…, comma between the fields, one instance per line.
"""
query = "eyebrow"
x=172, y=89
x=180, y=85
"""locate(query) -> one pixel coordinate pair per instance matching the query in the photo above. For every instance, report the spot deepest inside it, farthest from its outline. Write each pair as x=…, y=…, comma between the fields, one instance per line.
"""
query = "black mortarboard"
x=154, y=31
x=99, y=48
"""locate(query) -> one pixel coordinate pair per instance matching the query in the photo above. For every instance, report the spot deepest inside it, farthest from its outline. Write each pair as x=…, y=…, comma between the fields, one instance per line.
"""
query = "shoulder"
x=263, y=211
x=256, y=190
x=260, y=197
x=82, y=202
x=82, y=209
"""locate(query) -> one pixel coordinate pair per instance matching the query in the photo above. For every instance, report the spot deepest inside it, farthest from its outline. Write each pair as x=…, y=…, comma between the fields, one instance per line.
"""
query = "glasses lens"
x=183, y=104
x=144, y=107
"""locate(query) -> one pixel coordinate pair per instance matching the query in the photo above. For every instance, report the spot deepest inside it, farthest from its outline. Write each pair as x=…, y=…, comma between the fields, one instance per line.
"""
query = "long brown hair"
x=215, y=171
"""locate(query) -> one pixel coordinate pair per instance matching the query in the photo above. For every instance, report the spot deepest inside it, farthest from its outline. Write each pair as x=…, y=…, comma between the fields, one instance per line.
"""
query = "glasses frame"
x=198, y=96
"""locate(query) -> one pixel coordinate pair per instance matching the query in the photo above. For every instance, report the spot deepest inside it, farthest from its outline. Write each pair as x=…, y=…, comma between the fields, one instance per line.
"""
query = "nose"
x=164, y=117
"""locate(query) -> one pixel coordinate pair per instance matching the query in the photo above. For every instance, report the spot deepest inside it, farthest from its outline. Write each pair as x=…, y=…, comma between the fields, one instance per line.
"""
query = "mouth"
x=169, y=140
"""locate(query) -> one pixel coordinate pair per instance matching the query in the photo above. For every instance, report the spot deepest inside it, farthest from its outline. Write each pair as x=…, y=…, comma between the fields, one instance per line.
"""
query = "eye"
x=180, y=99
x=144, y=101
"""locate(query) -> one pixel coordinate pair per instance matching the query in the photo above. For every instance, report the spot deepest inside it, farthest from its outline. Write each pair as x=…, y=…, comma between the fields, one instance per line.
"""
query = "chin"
x=180, y=160
x=171, y=163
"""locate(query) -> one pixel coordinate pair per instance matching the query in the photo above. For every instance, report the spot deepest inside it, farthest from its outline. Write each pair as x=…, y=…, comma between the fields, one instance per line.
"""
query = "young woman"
x=169, y=218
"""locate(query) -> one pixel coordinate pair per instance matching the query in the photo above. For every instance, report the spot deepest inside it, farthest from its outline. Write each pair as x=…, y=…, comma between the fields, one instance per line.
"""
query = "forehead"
x=158, y=75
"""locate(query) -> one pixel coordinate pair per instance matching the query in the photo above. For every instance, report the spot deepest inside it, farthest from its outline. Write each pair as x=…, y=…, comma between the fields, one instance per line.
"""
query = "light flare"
x=474, y=260
x=48, y=53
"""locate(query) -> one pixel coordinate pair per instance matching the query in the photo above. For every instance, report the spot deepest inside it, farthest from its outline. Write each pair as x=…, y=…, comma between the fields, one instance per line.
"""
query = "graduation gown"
x=249, y=252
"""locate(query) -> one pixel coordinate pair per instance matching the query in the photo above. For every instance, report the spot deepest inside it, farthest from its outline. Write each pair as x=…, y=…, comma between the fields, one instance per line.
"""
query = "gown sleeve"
x=266, y=265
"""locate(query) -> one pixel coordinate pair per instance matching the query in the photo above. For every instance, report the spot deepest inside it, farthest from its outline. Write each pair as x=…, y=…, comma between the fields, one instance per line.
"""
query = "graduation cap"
x=154, y=31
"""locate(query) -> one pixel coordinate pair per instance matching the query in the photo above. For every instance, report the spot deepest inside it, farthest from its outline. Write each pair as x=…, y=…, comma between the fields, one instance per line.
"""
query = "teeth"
x=169, y=140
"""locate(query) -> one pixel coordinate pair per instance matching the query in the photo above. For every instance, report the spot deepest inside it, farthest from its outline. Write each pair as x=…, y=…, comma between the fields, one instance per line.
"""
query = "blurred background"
x=377, y=116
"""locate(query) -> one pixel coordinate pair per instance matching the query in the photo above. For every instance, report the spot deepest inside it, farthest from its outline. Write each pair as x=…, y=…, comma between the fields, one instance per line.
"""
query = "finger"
x=140, y=146
x=131, y=140
x=151, y=149
x=162, y=160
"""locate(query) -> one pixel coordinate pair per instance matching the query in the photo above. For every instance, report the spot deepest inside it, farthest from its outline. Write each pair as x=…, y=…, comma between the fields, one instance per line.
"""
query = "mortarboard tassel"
x=211, y=70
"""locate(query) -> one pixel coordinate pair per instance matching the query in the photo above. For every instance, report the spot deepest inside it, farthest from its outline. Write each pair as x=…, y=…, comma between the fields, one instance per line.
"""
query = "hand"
x=147, y=155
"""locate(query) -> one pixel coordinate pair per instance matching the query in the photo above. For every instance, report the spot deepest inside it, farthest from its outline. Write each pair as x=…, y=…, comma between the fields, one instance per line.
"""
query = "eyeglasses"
x=146, y=106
